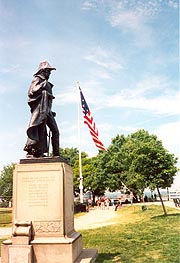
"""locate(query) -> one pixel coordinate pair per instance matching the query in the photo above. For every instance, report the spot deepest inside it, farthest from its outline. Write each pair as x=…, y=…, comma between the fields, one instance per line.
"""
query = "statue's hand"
x=53, y=113
x=51, y=96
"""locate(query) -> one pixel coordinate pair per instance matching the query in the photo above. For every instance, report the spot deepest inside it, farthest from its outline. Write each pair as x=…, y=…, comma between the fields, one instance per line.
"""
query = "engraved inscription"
x=37, y=189
x=38, y=194
x=47, y=226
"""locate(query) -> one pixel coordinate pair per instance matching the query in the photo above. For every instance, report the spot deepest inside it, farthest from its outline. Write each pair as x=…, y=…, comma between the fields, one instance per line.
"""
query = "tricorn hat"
x=44, y=65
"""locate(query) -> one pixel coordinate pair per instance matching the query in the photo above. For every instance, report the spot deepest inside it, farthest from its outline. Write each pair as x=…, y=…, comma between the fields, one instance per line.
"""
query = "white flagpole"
x=80, y=161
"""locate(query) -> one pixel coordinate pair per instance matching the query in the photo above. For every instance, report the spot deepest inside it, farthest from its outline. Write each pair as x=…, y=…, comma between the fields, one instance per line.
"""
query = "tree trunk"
x=164, y=209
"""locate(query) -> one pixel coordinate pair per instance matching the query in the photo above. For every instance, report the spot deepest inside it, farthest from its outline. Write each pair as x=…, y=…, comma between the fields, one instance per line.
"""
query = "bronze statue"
x=40, y=101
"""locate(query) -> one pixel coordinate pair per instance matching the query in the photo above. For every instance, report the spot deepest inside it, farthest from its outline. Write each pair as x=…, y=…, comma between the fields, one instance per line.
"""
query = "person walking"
x=131, y=197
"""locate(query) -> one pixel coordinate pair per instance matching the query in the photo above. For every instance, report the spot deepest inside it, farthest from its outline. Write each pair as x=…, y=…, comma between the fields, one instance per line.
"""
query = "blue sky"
x=124, y=53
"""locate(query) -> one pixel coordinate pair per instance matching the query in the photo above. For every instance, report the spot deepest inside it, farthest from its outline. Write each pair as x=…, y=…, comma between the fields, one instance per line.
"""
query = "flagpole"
x=80, y=160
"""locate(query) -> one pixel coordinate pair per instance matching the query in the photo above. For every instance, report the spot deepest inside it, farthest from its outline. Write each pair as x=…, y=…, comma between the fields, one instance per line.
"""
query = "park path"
x=93, y=219
x=5, y=232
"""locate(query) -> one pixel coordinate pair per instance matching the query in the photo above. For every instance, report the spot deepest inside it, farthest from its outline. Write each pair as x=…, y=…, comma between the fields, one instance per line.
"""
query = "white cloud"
x=160, y=105
x=152, y=94
x=103, y=74
x=155, y=93
x=19, y=42
x=169, y=134
x=92, y=92
x=104, y=59
x=126, y=19
x=8, y=88
x=11, y=145
x=10, y=69
x=148, y=87
x=132, y=16
x=70, y=95
x=152, y=84
x=88, y=5
x=173, y=3
x=127, y=129
x=133, y=22
x=105, y=64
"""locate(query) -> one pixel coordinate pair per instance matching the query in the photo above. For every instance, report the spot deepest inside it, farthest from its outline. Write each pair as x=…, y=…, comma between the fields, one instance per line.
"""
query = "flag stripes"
x=88, y=119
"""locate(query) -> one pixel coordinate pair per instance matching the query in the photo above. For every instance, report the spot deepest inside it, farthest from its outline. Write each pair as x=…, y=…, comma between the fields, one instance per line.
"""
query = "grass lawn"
x=5, y=217
x=5, y=220
x=138, y=237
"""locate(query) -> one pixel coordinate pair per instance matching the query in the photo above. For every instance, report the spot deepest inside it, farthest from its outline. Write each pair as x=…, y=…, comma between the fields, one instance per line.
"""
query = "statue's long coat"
x=40, y=101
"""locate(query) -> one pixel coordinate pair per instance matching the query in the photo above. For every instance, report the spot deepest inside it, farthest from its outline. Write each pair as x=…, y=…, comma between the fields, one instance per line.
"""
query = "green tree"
x=6, y=181
x=72, y=157
x=147, y=163
x=87, y=172
x=138, y=161
x=114, y=164
x=92, y=179
x=108, y=167
x=69, y=154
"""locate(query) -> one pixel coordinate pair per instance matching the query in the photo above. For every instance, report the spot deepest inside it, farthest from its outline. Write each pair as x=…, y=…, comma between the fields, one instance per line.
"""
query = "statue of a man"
x=40, y=101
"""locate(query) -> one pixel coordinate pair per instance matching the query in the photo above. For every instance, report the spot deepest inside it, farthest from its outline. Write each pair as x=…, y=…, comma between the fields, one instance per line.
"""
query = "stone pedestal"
x=43, y=214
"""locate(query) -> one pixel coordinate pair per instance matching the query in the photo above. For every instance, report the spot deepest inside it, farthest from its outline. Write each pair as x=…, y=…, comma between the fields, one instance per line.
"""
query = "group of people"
x=103, y=202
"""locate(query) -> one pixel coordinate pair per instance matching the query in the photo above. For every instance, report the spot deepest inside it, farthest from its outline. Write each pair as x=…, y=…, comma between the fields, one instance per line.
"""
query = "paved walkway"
x=97, y=217
x=93, y=219
x=5, y=232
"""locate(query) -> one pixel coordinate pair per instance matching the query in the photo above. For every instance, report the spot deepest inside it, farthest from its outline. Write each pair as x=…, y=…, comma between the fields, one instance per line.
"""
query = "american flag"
x=88, y=119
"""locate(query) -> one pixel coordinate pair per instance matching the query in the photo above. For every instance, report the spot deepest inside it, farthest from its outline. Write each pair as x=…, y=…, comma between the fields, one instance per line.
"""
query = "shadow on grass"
x=107, y=257
x=168, y=215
